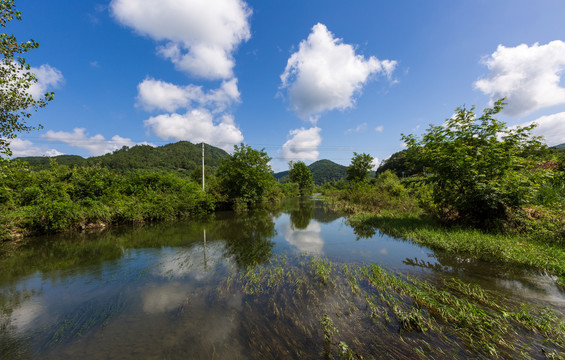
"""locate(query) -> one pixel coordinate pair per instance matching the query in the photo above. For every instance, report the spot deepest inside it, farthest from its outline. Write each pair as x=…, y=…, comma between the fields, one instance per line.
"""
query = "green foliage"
x=386, y=192
x=360, y=167
x=300, y=174
x=64, y=198
x=290, y=189
x=246, y=175
x=16, y=103
x=477, y=166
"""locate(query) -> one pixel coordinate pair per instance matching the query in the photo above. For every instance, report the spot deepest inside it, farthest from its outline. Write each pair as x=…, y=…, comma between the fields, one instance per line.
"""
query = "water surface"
x=163, y=291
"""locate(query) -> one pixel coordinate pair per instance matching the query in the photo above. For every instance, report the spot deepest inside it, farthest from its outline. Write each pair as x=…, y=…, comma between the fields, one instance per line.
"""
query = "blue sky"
x=305, y=80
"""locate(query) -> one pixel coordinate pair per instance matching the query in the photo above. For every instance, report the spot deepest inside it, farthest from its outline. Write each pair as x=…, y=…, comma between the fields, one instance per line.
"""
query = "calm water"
x=159, y=291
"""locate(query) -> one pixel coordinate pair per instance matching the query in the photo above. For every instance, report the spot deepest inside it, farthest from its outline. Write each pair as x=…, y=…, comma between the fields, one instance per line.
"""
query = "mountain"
x=181, y=156
x=323, y=171
x=560, y=147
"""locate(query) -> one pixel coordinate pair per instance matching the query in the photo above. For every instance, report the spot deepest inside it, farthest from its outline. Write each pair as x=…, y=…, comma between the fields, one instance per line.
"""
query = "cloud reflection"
x=160, y=299
x=199, y=262
x=307, y=240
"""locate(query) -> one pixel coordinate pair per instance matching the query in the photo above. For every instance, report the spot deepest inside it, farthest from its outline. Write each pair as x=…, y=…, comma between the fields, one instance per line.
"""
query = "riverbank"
x=401, y=217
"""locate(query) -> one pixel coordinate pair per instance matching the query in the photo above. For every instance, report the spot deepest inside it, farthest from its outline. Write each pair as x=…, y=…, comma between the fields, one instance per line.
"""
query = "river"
x=171, y=290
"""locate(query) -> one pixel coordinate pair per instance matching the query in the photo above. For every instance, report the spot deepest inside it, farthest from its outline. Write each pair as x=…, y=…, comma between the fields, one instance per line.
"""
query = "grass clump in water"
x=316, y=308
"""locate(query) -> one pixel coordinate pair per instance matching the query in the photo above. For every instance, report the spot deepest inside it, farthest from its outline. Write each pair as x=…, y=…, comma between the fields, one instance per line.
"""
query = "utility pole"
x=203, y=166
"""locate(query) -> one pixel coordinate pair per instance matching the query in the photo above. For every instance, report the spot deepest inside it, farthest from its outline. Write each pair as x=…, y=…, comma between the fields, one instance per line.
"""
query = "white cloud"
x=326, y=74
x=359, y=128
x=201, y=35
x=198, y=125
x=379, y=129
x=160, y=95
x=376, y=162
x=47, y=78
x=528, y=77
x=22, y=147
x=96, y=145
x=551, y=127
x=303, y=145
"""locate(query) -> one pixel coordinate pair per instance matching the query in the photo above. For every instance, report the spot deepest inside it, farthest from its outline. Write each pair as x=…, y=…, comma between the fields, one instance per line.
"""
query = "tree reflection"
x=247, y=236
x=301, y=214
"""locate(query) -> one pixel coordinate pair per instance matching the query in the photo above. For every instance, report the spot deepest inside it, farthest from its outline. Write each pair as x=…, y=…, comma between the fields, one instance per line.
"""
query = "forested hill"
x=323, y=171
x=182, y=157
x=560, y=147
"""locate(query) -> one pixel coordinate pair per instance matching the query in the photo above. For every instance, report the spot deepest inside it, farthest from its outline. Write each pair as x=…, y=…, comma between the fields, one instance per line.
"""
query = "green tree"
x=360, y=167
x=475, y=165
x=16, y=103
x=300, y=173
x=246, y=175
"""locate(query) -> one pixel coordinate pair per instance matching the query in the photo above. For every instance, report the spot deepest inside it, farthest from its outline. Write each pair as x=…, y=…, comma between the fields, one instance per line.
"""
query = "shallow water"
x=163, y=291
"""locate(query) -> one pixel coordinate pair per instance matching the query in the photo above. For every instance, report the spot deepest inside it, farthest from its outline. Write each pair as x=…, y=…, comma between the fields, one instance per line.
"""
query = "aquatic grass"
x=84, y=318
x=412, y=318
x=516, y=250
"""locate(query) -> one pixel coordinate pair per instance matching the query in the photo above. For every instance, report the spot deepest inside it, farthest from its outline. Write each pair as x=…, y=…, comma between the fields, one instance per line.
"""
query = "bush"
x=477, y=166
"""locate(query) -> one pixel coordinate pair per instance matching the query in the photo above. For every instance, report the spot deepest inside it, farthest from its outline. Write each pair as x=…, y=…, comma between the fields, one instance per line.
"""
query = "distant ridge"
x=560, y=147
x=181, y=156
x=323, y=171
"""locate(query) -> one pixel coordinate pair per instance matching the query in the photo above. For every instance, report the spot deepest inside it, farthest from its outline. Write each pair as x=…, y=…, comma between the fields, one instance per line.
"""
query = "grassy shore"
x=528, y=250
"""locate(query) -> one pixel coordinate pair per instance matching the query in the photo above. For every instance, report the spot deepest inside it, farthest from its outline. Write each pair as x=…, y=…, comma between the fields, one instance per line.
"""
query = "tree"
x=360, y=166
x=16, y=102
x=246, y=175
x=300, y=173
x=475, y=165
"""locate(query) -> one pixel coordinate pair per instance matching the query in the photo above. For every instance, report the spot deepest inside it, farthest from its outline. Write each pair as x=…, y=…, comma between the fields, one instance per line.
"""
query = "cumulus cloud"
x=551, y=127
x=95, y=145
x=527, y=76
x=326, y=74
x=201, y=35
x=160, y=95
x=47, y=78
x=21, y=147
x=375, y=163
x=303, y=144
x=197, y=125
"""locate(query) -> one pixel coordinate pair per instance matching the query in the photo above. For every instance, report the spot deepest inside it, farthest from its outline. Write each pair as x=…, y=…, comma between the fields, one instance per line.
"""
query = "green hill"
x=323, y=171
x=182, y=157
x=44, y=161
x=560, y=147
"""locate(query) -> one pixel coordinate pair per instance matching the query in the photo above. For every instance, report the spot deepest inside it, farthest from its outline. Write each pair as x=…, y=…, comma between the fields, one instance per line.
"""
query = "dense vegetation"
x=63, y=198
x=181, y=157
x=301, y=175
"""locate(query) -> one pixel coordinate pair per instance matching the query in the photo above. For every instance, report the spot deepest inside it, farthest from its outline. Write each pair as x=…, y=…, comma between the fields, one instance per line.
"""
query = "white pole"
x=203, y=166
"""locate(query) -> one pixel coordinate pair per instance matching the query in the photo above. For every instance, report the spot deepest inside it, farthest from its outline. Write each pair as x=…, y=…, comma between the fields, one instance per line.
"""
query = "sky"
x=303, y=80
